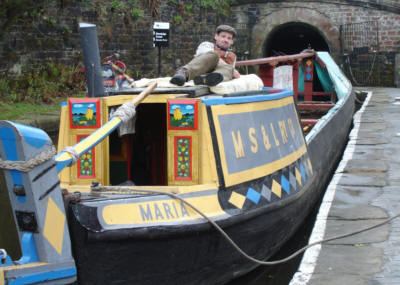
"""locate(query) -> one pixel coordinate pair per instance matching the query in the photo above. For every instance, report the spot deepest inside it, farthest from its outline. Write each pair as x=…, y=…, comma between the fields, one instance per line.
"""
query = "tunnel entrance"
x=293, y=38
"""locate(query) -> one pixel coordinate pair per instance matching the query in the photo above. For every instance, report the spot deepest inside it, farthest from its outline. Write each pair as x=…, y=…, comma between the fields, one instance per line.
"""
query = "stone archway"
x=292, y=38
x=314, y=26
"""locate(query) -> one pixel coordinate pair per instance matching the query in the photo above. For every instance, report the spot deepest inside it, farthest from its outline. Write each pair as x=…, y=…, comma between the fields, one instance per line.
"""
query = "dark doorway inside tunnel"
x=292, y=38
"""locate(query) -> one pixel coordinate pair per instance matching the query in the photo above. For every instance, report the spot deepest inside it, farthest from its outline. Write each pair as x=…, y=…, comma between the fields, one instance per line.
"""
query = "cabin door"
x=141, y=157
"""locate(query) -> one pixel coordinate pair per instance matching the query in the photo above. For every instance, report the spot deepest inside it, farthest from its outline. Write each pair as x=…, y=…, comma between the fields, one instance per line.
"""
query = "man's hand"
x=236, y=74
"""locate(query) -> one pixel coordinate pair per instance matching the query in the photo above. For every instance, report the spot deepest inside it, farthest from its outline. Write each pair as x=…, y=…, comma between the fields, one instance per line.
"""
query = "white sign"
x=161, y=25
x=283, y=77
x=160, y=34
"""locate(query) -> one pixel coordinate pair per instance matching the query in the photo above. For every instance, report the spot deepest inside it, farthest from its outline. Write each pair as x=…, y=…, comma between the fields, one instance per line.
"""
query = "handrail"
x=274, y=60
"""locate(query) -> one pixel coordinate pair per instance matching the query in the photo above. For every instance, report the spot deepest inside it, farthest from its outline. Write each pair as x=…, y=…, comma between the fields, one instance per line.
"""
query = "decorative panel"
x=86, y=162
x=182, y=114
x=183, y=158
x=84, y=113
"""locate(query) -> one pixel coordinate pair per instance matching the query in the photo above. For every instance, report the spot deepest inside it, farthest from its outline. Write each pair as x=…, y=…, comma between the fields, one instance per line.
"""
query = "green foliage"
x=43, y=85
x=136, y=13
x=177, y=19
x=117, y=6
x=12, y=111
x=207, y=3
x=222, y=7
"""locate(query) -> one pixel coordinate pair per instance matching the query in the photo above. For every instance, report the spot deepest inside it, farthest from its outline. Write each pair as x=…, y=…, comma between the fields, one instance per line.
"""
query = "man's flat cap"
x=226, y=28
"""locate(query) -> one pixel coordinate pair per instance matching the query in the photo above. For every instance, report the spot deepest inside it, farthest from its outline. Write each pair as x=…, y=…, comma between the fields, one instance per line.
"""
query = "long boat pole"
x=64, y=158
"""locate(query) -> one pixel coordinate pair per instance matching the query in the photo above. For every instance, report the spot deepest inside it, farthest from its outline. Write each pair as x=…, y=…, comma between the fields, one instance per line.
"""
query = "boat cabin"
x=170, y=143
x=161, y=149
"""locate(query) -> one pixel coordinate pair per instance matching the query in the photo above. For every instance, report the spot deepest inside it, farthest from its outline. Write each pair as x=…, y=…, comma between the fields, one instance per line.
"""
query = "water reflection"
x=283, y=273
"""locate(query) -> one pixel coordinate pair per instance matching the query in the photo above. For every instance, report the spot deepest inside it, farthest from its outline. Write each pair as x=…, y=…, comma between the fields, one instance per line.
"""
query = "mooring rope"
x=25, y=166
x=126, y=190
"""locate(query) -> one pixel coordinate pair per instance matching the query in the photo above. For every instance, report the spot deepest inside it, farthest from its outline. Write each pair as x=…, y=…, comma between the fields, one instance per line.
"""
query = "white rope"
x=125, y=112
x=72, y=152
x=3, y=255
x=126, y=190
x=25, y=166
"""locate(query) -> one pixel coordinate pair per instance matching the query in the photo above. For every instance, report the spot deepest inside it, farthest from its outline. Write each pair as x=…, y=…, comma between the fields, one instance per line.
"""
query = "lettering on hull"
x=163, y=211
x=257, y=139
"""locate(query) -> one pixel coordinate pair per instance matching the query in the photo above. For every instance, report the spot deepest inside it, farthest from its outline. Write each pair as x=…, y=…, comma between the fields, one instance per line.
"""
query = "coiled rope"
x=25, y=166
x=126, y=190
x=74, y=154
x=3, y=255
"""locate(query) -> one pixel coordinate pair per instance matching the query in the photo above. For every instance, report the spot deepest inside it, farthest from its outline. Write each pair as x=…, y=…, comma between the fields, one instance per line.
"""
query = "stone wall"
x=52, y=35
x=259, y=19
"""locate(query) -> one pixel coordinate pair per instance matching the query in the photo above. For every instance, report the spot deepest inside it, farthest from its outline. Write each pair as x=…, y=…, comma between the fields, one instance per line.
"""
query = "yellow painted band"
x=1, y=276
x=54, y=226
x=121, y=99
x=90, y=141
x=20, y=266
x=249, y=107
x=164, y=211
x=264, y=170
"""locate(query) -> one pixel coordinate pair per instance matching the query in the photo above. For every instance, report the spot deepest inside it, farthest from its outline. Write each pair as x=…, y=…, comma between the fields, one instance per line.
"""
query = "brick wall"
x=53, y=35
x=259, y=19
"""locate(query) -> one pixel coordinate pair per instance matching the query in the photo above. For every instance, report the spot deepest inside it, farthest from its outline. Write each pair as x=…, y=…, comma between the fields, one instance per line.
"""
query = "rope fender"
x=27, y=165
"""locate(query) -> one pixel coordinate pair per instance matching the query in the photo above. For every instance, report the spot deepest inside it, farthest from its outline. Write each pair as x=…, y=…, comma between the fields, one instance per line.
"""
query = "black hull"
x=201, y=257
x=199, y=254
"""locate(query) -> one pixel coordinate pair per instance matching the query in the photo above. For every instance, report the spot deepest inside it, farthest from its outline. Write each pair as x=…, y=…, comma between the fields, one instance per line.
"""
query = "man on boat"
x=212, y=63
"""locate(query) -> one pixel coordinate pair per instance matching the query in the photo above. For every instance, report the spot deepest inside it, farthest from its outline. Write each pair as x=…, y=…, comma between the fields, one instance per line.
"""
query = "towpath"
x=364, y=191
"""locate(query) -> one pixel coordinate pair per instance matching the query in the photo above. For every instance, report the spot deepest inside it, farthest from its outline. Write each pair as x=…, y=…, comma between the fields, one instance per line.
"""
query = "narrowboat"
x=128, y=206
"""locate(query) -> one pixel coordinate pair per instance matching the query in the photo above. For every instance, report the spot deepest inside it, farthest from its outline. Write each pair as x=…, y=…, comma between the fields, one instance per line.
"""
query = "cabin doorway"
x=292, y=38
x=140, y=158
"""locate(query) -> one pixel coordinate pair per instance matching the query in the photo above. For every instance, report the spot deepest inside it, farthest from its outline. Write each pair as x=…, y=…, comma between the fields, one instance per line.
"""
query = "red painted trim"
x=195, y=113
x=314, y=106
x=275, y=90
x=162, y=162
x=296, y=80
x=266, y=73
x=176, y=158
x=128, y=157
x=77, y=101
x=78, y=139
x=275, y=59
x=308, y=83
x=308, y=121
